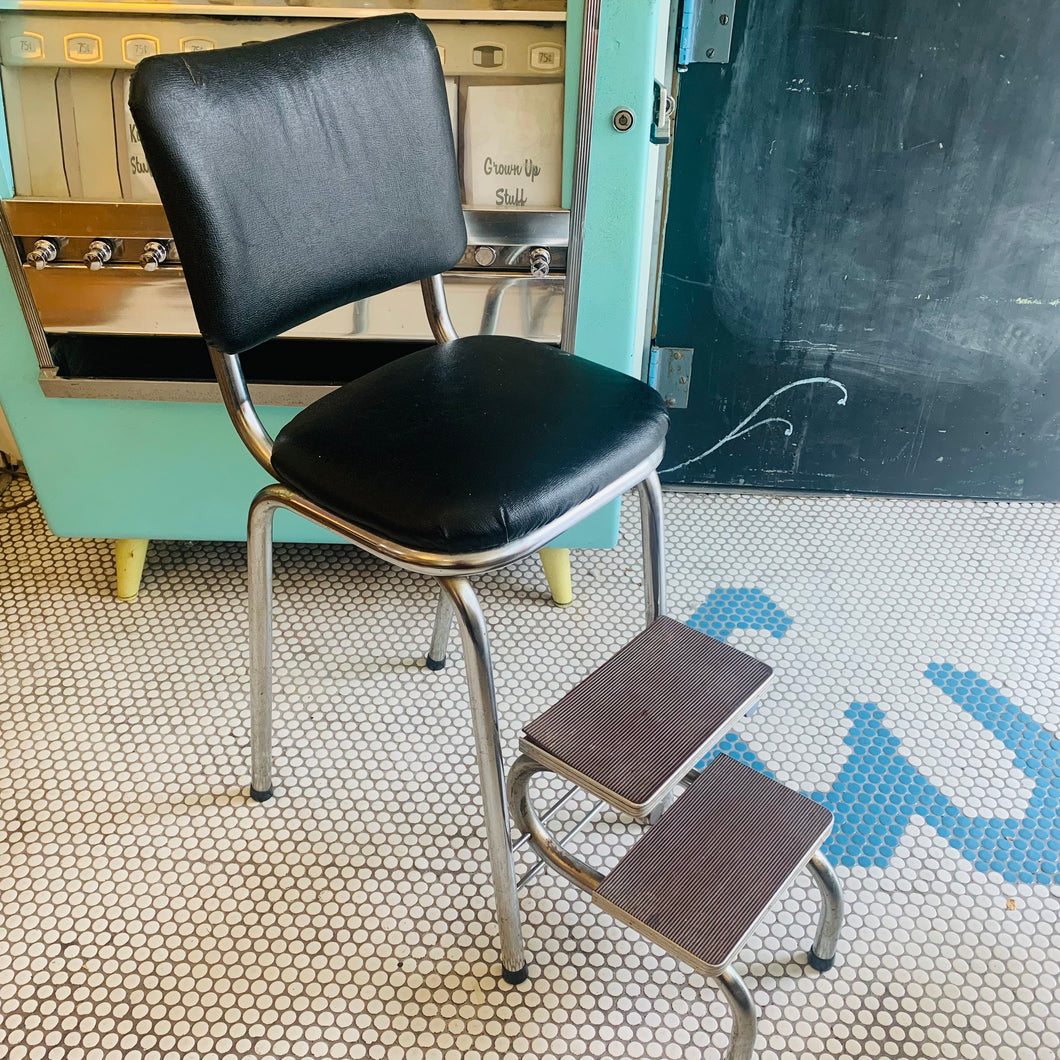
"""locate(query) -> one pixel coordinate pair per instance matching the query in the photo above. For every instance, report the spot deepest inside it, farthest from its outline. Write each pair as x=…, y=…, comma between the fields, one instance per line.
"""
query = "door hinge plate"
x=670, y=372
x=705, y=34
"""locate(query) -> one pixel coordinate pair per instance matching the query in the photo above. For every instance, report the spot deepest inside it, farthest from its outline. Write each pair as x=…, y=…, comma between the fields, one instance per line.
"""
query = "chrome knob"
x=155, y=252
x=100, y=251
x=44, y=252
x=540, y=259
x=485, y=255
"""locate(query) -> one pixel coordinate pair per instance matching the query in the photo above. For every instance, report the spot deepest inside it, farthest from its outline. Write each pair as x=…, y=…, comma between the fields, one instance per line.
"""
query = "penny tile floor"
x=148, y=909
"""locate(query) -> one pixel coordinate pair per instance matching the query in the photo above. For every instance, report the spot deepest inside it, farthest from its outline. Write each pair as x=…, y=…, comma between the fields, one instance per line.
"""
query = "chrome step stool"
x=701, y=878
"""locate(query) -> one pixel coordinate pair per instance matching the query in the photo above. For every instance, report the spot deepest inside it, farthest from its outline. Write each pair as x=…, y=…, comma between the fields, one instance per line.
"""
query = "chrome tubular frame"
x=552, y=852
x=528, y=822
x=437, y=564
x=654, y=559
x=244, y=415
x=259, y=604
x=437, y=309
x=744, y=1019
x=456, y=596
x=443, y=621
x=458, y=599
x=822, y=954
x=490, y=760
x=652, y=547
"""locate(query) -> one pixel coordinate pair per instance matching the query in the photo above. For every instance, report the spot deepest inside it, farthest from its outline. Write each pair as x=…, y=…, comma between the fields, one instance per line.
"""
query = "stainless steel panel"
x=125, y=300
x=263, y=394
x=31, y=218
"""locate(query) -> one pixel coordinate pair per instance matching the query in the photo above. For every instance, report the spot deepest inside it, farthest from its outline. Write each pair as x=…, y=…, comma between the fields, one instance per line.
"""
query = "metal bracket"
x=662, y=118
x=705, y=34
x=670, y=372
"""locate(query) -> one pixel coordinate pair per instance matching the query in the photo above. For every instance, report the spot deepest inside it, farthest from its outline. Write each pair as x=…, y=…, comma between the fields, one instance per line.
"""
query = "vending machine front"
x=102, y=374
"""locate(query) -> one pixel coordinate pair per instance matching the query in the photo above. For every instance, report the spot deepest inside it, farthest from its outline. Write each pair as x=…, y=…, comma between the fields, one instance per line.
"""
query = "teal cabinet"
x=165, y=469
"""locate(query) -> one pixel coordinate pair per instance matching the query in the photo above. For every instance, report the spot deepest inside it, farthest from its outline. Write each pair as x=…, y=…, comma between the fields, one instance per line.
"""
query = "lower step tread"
x=637, y=724
x=699, y=880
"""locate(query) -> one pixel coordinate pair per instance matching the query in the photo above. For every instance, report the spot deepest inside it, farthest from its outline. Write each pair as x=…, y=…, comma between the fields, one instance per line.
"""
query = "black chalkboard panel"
x=863, y=249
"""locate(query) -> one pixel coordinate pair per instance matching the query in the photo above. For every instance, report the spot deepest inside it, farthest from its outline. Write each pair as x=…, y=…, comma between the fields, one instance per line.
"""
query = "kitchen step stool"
x=699, y=881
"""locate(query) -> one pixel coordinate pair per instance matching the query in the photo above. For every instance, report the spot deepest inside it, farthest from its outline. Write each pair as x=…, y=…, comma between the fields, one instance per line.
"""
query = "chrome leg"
x=259, y=585
x=744, y=1020
x=491, y=773
x=530, y=824
x=822, y=953
x=651, y=543
x=443, y=620
x=651, y=536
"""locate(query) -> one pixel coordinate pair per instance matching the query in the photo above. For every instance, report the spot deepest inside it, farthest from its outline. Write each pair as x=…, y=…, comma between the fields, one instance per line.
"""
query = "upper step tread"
x=699, y=880
x=638, y=723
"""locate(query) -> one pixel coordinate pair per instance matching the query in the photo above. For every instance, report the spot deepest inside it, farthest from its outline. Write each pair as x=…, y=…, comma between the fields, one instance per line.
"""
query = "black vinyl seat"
x=300, y=175
x=497, y=437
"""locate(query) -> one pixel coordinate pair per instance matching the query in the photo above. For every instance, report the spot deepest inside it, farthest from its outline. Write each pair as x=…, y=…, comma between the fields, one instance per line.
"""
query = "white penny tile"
x=150, y=911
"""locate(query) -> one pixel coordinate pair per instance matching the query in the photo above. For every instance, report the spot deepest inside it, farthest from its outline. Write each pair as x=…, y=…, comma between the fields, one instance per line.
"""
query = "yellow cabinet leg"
x=556, y=562
x=129, y=554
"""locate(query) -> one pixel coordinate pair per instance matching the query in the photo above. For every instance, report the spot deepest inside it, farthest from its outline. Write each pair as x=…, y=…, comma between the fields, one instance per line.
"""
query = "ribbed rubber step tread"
x=637, y=724
x=699, y=880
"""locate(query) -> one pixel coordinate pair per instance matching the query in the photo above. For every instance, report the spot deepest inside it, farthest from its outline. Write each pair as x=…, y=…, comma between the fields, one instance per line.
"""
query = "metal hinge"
x=705, y=33
x=662, y=116
x=670, y=372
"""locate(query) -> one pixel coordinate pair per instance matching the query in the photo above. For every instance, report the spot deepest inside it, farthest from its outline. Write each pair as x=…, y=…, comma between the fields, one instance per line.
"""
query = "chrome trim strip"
x=580, y=185
x=439, y=564
x=22, y=292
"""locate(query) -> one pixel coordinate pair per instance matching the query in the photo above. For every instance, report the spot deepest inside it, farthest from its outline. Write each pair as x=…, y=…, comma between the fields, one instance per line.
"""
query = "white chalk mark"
x=1052, y=303
x=686, y=279
x=746, y=425
x=858, y=33
x=805, y=344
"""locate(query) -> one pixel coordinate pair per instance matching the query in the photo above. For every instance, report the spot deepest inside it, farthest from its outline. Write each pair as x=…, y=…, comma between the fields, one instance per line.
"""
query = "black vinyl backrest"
x=303, y=173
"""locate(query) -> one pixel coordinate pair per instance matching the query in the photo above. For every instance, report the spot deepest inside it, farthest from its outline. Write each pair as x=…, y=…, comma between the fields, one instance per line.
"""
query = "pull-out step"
x=699, y=880
x=634, y=727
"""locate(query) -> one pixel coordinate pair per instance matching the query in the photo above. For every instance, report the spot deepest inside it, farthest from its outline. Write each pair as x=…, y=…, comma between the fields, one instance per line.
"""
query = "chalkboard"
x=863, y=250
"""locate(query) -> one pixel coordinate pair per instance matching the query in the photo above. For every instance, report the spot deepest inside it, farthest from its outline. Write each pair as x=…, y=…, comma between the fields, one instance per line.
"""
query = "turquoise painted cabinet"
x=161, y=469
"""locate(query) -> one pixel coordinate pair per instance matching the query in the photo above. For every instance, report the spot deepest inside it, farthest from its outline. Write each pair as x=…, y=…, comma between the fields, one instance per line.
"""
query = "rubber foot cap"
x=820, y=964
x=435, y=664
x=515, y=978
x=261, y=796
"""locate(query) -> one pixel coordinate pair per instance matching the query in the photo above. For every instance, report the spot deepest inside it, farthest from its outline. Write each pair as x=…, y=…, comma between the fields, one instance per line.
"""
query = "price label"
x=27, y=46
x=139, y=47
x=83, y=48
x=546, y=57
